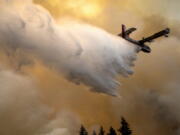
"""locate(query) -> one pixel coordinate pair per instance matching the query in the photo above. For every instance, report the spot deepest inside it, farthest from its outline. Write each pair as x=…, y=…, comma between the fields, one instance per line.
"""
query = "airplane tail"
x=123, y=33
x=126, y=32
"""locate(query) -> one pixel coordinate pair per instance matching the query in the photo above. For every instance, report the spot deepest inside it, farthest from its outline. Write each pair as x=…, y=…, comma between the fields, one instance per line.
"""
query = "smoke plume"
x=22, y=111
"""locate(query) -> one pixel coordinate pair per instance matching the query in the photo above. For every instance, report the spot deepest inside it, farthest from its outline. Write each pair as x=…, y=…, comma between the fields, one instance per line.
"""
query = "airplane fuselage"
x=143, y=47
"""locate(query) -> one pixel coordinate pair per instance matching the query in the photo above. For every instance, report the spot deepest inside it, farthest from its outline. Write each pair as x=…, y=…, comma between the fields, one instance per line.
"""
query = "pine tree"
x=94, y=133
x=112, y=131
x=124, y=130
x=101, y=132
x=83, y=131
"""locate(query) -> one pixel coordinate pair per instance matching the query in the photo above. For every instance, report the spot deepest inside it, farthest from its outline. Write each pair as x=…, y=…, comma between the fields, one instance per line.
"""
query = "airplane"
x=141, y=43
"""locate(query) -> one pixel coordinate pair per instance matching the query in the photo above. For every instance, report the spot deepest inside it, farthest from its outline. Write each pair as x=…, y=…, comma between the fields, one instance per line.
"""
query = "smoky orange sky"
x=149, y=98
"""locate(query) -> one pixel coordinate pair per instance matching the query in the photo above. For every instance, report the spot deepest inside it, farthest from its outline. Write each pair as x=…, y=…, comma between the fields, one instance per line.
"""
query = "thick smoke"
x=19, y=92
x=23, y=113
x=81, y=52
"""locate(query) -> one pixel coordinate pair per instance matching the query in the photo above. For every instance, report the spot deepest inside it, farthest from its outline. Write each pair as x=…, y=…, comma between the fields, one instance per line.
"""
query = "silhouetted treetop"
x=124, y=130
x=94, y=133
x=101, y=132
x=83, y=131
x=112, y=131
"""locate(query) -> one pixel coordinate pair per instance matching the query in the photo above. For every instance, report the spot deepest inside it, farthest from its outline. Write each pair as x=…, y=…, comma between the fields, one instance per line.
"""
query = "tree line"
x=123, y=130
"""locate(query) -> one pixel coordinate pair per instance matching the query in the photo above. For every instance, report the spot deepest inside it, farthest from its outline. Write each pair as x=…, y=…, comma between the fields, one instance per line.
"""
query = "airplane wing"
x=164, y=32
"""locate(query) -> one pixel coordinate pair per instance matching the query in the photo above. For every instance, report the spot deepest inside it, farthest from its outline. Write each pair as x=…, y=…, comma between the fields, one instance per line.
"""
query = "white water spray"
x=82, y=53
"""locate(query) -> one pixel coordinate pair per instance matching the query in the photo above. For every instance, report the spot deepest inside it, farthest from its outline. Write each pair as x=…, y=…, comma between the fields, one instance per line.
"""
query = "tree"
x=101, y=132
x=112, y=131
x=83, y=131
x=94, y=133
x=124, y=130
